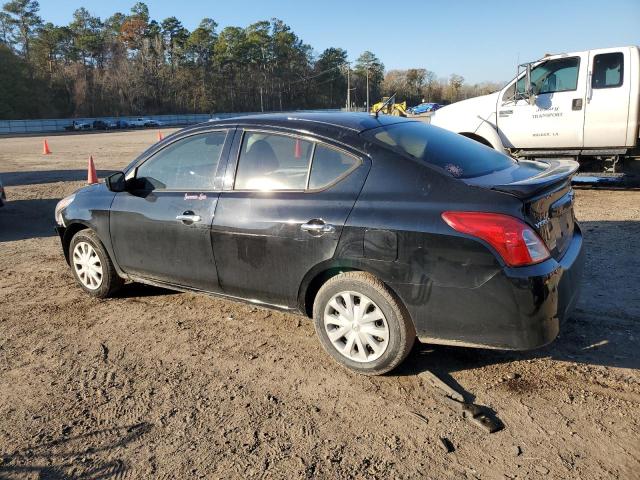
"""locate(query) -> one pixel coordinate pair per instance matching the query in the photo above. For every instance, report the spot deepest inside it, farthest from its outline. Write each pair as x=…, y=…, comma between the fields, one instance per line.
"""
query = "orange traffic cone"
x=92, y=176
x=45, y=148
x=160, y=136
x=298, y=149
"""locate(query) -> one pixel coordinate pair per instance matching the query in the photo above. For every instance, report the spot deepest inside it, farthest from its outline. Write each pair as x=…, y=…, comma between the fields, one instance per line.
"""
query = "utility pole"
x=367, y=87
x=348, y=88
x=261, y=104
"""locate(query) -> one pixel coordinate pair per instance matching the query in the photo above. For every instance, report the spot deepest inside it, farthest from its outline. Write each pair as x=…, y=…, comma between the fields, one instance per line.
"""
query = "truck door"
x=607, y=108
x=556, y=119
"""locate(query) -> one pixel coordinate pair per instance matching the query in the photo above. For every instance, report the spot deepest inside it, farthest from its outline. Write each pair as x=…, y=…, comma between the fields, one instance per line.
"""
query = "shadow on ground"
x=604, y=329
x=15, y=179
x=136, y=290
x=583, y=339
x=23, y=219
x=82, y=456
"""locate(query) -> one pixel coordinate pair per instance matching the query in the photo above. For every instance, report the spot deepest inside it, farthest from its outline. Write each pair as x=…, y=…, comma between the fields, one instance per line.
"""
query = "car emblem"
x=541, y=223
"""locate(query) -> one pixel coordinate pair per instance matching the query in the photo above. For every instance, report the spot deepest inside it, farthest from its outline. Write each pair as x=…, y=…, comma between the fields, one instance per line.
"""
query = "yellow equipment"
x=390, y=107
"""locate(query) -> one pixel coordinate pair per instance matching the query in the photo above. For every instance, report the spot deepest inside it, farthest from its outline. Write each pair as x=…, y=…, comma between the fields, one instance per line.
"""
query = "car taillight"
x=516, y=242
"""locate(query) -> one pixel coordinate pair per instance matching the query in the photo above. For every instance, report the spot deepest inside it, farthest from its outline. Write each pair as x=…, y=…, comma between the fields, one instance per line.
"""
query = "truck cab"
x=585, y=105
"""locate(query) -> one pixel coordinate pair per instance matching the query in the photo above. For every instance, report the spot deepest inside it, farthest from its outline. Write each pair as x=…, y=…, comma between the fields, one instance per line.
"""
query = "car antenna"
x=389, y=100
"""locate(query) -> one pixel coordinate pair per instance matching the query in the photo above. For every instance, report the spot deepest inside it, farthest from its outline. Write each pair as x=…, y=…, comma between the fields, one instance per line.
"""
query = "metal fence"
x=10, y=127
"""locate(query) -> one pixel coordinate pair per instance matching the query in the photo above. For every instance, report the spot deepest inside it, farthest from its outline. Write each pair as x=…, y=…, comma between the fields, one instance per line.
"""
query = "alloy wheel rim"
x=356, y=327
x=87, y=265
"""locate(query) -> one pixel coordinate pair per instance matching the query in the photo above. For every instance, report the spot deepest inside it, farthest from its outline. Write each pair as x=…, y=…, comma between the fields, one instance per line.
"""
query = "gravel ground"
x=156, y=384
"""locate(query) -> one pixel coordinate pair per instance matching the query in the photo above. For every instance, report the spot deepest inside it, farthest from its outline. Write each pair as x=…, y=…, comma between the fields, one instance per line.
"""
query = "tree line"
x=131, y=64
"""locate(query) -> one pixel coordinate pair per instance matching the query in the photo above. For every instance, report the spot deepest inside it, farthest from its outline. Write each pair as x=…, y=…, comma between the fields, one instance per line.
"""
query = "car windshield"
x=458, y=156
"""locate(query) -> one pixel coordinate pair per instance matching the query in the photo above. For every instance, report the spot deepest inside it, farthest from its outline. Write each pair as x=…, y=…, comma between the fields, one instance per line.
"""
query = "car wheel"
x=362, y=324
x=91, y=265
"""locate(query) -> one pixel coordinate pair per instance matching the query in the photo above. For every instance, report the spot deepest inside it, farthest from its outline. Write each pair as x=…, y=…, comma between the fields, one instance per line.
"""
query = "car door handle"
x=317, y=227
x=188, y=218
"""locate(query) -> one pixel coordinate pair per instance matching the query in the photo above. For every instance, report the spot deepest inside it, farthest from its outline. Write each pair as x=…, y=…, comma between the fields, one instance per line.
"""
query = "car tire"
x=379, y=355
x=91, y=265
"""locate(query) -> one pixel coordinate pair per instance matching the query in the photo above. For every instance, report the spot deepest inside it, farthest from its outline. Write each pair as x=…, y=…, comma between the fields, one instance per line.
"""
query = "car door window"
x=187, y=164
x=607, y=70
x=273, y=162
x=328, y=166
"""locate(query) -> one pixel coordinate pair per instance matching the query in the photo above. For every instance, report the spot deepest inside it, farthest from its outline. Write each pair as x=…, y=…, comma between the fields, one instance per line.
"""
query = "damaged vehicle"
x=382, y=229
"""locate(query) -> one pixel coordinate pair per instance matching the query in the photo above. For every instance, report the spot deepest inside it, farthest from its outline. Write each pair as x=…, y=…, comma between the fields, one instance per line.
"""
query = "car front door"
x=607, y=110
x=282, y=214
x=160, y=226
x=556, y=118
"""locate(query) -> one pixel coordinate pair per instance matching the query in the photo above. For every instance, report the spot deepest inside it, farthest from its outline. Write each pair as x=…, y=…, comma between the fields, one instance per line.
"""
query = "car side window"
x=273, y=162
x=608, y=69
x=328, y=166
x=187, y=164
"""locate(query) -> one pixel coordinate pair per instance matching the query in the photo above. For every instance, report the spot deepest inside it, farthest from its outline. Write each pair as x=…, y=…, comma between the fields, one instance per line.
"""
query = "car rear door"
x=160, y=226
x=282, y=211
x=607, y=109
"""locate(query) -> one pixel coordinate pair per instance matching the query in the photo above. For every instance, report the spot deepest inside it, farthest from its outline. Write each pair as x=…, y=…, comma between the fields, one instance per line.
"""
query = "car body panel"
x=166, y=248
x=257, y=236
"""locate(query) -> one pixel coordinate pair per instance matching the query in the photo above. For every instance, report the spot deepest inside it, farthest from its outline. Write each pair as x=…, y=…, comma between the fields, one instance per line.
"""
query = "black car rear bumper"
x=517, y=309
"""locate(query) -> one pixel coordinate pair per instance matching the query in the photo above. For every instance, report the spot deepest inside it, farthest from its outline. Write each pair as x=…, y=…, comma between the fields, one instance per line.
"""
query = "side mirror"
x=116, y=182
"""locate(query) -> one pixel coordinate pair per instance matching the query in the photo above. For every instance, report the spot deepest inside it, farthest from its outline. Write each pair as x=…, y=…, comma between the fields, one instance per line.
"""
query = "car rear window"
x=457, y=155
x=328, y=166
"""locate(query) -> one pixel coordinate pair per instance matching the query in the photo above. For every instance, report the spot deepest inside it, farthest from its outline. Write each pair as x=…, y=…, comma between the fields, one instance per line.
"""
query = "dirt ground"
x=155, y=384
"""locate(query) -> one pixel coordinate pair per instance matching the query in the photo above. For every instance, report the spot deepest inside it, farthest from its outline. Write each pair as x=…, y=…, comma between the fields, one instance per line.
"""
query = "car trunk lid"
x=544, y=187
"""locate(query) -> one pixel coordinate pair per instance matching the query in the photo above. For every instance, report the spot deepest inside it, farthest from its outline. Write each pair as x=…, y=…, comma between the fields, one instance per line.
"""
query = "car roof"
x=355, y=122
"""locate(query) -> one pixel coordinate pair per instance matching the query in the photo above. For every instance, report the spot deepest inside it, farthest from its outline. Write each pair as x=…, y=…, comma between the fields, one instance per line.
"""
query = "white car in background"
x=153, y=123
x=138, y=122
x=75, y=126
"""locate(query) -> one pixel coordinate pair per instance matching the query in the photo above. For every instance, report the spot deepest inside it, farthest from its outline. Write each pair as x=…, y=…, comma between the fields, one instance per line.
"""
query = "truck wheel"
x=91, y=266
x=361, y=323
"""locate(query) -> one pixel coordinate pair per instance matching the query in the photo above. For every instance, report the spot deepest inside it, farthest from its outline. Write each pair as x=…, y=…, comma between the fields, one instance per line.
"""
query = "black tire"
x=110, y=281
x=402, y=333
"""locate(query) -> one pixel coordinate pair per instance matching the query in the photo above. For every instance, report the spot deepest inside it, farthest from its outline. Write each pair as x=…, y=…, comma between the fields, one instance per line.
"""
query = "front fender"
x=488, y=132
x=90, y=209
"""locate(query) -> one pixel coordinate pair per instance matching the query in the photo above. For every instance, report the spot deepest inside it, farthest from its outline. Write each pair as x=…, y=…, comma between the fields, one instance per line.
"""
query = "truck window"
x=552, y=76
x=607, y=70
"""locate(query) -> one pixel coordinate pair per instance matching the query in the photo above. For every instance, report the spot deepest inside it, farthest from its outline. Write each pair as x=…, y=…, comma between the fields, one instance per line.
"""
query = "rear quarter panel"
x=417, y=251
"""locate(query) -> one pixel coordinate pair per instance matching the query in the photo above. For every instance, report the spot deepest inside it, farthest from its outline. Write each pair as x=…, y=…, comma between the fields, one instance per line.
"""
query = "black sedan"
x=382, y=229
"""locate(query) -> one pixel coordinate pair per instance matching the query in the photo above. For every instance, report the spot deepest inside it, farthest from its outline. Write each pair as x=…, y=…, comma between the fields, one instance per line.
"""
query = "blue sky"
x=480, y=40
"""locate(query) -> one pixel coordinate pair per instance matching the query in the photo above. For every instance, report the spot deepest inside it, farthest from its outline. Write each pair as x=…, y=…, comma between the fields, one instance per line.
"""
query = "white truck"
x=583, y=105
